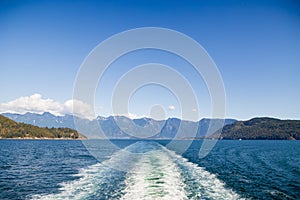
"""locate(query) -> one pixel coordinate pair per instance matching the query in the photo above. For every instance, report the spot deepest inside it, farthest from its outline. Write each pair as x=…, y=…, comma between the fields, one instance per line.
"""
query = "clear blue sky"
x=255, y=44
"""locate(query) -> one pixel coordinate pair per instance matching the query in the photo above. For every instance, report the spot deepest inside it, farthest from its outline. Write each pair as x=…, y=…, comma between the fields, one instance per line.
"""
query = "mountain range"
x=120, y=127
x=123, y=127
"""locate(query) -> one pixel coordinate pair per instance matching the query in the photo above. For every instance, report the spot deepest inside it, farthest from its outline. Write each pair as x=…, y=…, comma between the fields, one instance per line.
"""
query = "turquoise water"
x=132, y=169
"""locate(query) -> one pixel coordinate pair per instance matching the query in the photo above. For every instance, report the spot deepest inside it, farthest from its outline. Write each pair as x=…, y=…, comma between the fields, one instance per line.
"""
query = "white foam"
x=155, y=176
x=91, y=178
x=78, y=189
x=177, y=179
x=199, y=183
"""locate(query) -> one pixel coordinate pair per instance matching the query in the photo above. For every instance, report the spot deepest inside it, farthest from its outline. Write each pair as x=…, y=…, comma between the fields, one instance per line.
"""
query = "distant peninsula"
x=15, y=130
x=262, y=129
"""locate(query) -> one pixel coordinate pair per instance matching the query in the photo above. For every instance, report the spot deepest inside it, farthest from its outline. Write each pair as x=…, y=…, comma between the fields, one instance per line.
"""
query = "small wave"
x=277, y=193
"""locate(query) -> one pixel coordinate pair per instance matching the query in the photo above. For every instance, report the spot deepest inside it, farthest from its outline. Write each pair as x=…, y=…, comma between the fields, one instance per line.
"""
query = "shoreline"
x=158, y=139
x=44, y=138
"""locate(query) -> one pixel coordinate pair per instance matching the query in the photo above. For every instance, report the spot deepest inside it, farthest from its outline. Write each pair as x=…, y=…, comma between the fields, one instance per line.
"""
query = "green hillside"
x=12, y=129
x=263, y=128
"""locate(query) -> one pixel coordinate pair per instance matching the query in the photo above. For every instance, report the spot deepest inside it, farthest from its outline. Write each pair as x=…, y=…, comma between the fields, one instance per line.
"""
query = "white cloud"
x=171, y=107
x=33, y=103
x=194, y=109
x=130, y=115
x=78, y=108
x=36, y=104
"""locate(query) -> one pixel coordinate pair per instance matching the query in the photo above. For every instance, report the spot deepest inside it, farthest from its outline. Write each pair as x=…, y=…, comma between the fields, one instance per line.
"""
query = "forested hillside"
x=12, y=129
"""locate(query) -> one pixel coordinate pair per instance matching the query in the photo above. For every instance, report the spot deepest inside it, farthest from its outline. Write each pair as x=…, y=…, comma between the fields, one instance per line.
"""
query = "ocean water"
x=133, y=169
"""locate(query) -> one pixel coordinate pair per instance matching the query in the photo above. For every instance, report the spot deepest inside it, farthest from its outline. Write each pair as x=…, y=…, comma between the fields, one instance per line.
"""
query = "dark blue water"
x=44, y=169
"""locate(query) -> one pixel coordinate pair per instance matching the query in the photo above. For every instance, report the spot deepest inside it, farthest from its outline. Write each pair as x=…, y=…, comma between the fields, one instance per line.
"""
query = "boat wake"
x=144, y=170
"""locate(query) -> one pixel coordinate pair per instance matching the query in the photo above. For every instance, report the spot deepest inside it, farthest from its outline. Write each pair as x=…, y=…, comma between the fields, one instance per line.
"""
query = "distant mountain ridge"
x=166, y=129
x=43, y=120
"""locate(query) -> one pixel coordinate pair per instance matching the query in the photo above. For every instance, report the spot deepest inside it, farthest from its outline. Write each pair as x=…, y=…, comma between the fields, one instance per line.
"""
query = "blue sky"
x=255, y=45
